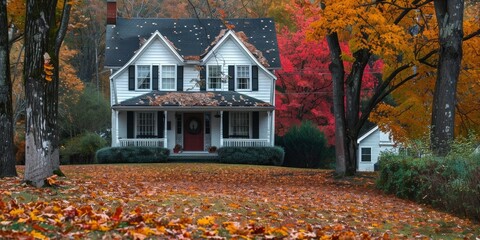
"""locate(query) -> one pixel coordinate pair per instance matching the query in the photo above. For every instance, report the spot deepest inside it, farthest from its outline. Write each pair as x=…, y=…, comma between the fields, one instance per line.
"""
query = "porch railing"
x=142, y=142
x=245, y=142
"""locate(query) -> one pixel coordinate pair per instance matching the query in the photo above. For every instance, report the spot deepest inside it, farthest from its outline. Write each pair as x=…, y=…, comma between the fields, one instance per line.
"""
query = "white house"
x=370, y=145
x=193, y=82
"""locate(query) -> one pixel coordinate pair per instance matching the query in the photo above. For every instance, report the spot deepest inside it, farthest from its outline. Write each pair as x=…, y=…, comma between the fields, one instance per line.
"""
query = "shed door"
x=194, y=131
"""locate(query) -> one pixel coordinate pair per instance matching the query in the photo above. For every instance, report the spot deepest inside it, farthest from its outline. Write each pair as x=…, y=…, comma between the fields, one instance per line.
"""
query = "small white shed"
x=370, y=145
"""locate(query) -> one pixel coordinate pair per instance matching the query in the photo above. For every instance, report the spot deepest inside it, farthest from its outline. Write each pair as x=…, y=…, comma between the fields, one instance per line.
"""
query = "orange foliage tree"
x=398, y=32
x=409, y=119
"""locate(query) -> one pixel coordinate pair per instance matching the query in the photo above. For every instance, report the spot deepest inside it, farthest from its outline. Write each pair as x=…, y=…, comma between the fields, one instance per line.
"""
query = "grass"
x=206, y=200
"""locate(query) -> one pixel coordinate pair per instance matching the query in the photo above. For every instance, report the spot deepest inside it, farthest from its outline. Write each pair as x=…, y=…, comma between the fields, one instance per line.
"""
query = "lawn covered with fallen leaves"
x=188, y=200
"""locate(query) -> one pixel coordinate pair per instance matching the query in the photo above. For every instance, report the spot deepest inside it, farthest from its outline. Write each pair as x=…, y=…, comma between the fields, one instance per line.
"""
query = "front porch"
x=193, y=121
x=160, y=142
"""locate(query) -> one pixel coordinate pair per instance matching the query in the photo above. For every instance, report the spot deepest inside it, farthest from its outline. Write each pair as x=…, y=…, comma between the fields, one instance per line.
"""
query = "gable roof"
x=188, y=99
x=190, y=37
x=360, y=139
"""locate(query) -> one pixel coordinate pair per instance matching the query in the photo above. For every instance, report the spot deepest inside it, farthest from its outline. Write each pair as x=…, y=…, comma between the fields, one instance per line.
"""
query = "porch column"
x=269, y=127
x=117, y=141
x=272, y=127
x=221, y=128
x=165, y=118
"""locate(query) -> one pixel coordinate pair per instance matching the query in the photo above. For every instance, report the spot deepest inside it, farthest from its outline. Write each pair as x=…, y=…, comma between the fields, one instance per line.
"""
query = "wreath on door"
x=193, y=126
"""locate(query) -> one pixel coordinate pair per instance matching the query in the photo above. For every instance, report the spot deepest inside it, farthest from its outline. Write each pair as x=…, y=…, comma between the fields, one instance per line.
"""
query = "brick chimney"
x=111, y=12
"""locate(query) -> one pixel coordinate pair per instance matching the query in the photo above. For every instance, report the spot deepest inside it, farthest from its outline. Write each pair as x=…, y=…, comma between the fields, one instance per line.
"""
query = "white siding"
x=122, y=124
x=156, y=54
x=215, y=130
x=373, y=141
x=263, y=125
x=189, y=73
x=171, y=133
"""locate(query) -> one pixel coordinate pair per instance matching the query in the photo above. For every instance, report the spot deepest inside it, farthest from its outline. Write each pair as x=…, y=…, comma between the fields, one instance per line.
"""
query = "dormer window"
x=144, y=78
x=214, y=77
x=168, y=77
x=243, y=79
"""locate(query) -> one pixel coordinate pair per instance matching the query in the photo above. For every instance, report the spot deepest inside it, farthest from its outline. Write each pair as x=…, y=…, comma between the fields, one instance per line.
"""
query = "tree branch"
x=62, y=29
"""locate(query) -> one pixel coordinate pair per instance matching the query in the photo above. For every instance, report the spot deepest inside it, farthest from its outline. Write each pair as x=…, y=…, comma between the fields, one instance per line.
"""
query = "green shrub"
x=132, y=155
x=451, y=183
x=305, y=146
x=81, y=149
x=252, y=155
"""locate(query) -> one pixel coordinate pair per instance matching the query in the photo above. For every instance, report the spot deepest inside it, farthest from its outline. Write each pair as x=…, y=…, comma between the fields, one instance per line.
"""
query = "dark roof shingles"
x=190, y=37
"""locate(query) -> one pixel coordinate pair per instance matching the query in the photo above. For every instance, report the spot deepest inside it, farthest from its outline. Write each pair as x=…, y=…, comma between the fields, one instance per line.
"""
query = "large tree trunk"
x=43, y=38
x=354, y=88
x=338, y=75
x=7, y=159
x=38, y=139
x=450, y=21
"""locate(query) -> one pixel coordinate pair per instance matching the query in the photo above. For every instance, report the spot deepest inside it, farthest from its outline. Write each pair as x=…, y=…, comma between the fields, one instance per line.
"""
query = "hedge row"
x=252, y=155
x=132, y=155
x=452, y=184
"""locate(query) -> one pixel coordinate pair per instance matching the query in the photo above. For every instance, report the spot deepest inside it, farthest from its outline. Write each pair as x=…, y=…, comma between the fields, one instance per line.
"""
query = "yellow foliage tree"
x=403, y=34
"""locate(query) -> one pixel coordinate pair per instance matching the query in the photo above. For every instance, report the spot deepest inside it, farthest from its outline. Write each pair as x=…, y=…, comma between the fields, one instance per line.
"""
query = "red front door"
x=193, y=132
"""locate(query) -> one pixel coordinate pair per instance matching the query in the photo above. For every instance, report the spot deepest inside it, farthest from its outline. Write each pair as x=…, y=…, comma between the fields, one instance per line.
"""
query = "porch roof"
x=217, y=100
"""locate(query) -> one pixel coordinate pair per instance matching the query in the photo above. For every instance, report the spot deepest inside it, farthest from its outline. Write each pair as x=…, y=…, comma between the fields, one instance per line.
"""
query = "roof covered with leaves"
x=191, y=38
x=195, y=99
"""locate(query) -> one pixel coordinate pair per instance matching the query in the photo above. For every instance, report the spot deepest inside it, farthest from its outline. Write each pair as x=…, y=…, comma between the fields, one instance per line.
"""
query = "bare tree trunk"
x=450, y=21
x=7, y=159
x=338, y=75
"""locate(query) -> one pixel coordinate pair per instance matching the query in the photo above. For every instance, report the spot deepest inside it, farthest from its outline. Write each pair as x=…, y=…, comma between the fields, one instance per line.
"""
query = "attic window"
x=168, y=77
x=143, y=77
x=214, y=79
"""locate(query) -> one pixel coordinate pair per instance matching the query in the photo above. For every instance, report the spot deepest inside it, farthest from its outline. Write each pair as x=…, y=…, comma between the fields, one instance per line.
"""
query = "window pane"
x=214, y=77
x=243, y=77
x=145, y=124
x=168, y=77
x=240, y=124
x=143, y=77
x=366, y=154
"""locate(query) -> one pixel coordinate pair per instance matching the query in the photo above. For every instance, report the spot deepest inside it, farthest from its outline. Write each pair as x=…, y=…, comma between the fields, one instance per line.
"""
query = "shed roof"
x=190, y=37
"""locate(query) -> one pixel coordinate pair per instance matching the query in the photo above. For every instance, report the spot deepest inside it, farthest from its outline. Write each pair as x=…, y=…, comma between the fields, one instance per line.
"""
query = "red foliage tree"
x=304, y=84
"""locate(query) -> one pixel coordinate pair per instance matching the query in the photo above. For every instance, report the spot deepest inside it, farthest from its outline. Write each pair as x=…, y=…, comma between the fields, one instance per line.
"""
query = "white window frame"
x=155, y=123
x=371, y=154
x=174, y=77
x=230, y=123
x=208, y=77
x=237, y=77
x=136, y=78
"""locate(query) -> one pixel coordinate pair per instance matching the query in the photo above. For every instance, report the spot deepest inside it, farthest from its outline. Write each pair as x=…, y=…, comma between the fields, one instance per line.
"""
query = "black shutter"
x=130, y=124
x=231, y=78
x=161, y=125
x=155, y=77
x=179, y=78
x=254, y=78
x=225, y=125
x=203, y=79
x=131, y=77
x=255, y=125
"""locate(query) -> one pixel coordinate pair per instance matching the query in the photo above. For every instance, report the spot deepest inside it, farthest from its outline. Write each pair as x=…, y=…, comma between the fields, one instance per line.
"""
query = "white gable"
x=160, y=43
x=230, y=35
